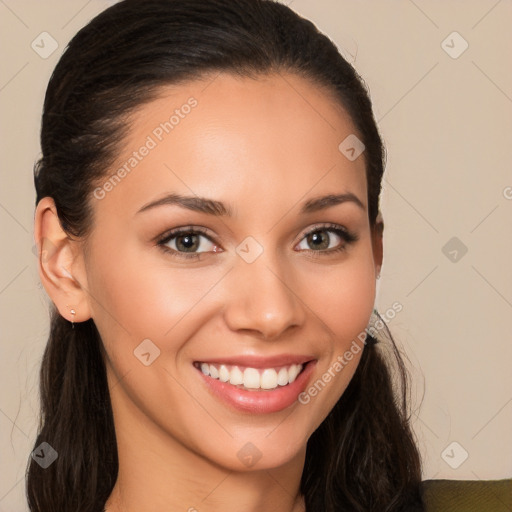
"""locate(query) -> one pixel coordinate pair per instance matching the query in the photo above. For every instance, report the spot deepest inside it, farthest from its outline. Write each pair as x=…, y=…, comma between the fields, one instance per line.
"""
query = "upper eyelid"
x=327, y=226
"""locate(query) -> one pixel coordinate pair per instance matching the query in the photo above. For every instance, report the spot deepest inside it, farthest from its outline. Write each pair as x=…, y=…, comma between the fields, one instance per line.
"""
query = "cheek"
x=343, y=300
x=142, y=301
x=343, y=297
x=136, y=298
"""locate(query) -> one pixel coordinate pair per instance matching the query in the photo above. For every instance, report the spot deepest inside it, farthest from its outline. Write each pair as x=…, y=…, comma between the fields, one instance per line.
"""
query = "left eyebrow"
x=320, y=203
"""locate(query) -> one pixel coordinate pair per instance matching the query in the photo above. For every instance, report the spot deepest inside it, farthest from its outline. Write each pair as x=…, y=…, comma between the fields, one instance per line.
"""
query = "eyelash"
x=342, y=232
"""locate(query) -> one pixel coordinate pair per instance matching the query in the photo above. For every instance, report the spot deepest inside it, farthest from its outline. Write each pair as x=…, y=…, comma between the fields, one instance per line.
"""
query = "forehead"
x=237, y=136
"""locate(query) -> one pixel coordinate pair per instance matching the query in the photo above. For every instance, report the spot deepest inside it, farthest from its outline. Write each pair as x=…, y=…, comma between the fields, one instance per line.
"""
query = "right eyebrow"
x=194, y=203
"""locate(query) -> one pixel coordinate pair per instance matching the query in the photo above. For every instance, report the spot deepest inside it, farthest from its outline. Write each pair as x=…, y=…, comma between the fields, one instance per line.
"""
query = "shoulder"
x=467, y=495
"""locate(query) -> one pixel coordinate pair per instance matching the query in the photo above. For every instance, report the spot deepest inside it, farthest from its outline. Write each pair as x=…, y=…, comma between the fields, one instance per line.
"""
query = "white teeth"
x=214, y=373
x=252, y=378
x=236, y=376
x=293, y=372
x=223, y=374
x=282, y=377
x=269, y=379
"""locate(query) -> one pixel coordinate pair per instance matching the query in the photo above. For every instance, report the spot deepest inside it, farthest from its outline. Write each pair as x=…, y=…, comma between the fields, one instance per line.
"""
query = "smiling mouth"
x=252, y=379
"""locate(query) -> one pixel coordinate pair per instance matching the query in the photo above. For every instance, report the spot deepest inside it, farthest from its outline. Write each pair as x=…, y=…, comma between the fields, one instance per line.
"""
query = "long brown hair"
x=363, y=456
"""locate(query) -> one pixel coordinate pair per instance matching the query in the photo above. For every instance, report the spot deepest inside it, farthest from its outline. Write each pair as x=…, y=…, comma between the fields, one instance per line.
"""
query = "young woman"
x=208, y=219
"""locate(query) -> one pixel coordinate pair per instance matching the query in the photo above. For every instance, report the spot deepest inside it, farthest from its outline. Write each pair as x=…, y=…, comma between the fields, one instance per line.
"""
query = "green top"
x=467, y=495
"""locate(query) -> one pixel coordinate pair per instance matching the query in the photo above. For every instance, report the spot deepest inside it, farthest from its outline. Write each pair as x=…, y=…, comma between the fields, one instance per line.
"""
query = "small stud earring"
x=73, y=312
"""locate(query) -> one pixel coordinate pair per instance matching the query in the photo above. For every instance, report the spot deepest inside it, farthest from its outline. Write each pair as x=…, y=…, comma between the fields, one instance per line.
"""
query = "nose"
x=262, y=299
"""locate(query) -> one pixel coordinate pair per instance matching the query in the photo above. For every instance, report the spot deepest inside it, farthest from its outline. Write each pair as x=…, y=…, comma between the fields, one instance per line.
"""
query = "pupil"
x=317, y=237
x=188, y=242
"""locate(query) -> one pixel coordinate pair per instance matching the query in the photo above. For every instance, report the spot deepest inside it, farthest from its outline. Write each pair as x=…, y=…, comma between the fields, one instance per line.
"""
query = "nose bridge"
x=261, y=294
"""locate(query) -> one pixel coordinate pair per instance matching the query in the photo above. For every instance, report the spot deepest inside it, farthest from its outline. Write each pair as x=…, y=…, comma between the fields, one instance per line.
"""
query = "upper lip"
x=252, y=361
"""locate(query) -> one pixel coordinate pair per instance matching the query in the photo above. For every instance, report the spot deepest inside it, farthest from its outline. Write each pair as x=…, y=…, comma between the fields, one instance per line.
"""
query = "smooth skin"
x=264, y=147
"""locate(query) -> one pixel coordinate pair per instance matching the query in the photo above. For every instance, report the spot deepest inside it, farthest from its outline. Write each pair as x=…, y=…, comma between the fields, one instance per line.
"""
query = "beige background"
x=447, y=123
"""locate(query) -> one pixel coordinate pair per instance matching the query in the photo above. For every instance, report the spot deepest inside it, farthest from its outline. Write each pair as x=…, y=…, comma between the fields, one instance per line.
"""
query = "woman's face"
x=261, y=283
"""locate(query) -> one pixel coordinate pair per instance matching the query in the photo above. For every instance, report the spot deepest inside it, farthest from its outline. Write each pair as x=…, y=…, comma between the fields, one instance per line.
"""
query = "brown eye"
x=187, y=243
x=318, y=240
x=327, y=239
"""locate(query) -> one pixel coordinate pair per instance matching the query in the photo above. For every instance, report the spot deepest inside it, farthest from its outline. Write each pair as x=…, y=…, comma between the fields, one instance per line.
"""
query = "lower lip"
x=260, y=401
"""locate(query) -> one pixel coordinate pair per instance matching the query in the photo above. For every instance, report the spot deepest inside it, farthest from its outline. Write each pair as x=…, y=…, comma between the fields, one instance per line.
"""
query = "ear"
x=60, y=264
x=377, y=242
